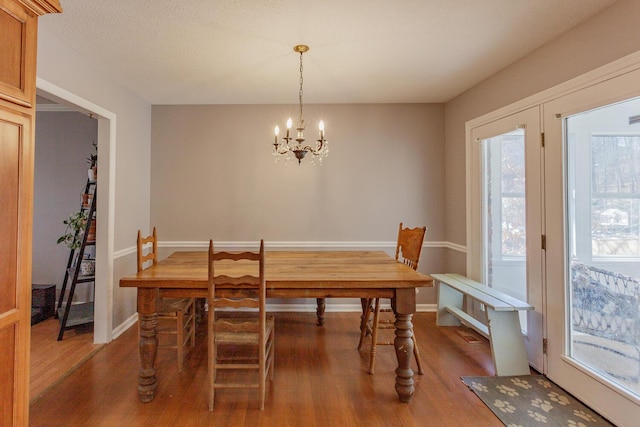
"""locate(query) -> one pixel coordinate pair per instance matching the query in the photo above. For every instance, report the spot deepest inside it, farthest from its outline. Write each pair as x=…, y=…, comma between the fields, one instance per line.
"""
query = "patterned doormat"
x=532, y=400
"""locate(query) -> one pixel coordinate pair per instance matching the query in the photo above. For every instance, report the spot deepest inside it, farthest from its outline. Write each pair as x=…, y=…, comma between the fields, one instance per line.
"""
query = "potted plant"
x=76, y=224
x=93, y=164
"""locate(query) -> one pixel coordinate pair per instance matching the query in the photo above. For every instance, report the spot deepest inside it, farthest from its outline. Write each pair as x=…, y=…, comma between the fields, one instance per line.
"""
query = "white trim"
x=121, y=328
x=290, y=308
x=124, y=252
x=276, y=244
x=103, y=315
x=303, y=245
x=454, y=247
x=290, y=245
x=54, y=108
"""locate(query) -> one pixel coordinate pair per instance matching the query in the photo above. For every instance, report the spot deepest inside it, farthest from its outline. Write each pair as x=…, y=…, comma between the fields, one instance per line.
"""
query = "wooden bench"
x=502, y=327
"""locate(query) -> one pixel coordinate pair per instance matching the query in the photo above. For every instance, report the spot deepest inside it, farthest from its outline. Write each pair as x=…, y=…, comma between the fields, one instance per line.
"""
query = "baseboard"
x=121, y=328
x=302, y=308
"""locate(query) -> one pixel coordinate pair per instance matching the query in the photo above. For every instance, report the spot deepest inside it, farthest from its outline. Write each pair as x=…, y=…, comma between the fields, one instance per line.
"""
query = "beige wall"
x=213, y=175
x=610, y=35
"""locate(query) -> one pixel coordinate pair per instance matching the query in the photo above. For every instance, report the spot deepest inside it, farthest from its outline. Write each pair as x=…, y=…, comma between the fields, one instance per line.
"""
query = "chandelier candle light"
x=298, y=148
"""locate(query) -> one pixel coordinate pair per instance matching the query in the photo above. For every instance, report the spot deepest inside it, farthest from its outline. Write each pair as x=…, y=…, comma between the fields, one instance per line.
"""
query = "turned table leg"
x=404, y=306
x=148, y=344
x=320, y=311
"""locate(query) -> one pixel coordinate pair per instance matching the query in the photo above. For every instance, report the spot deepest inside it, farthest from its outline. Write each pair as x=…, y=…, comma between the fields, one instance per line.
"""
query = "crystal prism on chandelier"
x=291, y=147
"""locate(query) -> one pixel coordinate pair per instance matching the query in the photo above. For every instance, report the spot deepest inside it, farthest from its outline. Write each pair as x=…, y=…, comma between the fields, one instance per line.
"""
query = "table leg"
x=148, y=344
x=320, y=311
x=404, y=306
x=363, y=319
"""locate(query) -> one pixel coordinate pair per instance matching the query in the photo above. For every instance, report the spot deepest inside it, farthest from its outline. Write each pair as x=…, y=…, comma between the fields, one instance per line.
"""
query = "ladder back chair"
x=408, y=251
x=176, y=317
x=251, y=335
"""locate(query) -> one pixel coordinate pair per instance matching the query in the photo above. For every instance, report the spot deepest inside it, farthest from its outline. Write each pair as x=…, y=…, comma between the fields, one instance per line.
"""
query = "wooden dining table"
x=288, y=274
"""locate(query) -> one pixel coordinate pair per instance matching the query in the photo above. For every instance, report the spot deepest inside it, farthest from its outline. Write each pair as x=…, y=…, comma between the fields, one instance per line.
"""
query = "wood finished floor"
x=51, y=360
x=320, y=380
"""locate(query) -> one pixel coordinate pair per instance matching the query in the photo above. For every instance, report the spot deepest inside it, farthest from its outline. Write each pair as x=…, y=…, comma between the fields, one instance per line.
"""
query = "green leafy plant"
x=76, y=223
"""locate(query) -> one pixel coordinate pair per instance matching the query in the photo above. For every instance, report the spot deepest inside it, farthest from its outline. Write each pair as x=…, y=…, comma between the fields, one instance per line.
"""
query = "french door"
x=505, y=220
x=592, y=187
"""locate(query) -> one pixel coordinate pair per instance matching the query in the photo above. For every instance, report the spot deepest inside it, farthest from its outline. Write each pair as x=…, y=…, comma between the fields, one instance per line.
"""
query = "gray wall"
x=63, y=142
x=213, y=176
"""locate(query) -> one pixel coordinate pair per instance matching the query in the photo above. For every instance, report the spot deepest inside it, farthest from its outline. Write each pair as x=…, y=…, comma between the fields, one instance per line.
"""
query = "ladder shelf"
x=70, y=314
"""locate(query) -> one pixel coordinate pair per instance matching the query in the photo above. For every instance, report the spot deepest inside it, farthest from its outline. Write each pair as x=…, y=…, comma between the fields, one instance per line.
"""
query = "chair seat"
x=242, y=337
x=180, y=312
x=170, y=306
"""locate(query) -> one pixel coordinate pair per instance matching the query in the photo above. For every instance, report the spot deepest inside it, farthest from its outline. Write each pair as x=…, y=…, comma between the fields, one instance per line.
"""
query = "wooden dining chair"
x=176, y=317
x=408, y=251
x=250, y=335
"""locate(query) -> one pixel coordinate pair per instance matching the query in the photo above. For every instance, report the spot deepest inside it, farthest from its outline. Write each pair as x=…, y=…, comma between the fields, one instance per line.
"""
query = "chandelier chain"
x=300, y=92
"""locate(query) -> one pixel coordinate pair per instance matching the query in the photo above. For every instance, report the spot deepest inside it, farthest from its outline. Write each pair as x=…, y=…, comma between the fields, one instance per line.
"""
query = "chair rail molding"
x=241, y=245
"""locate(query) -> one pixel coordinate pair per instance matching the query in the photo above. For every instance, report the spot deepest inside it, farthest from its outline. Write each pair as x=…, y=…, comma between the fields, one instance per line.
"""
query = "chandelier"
x=291, y=147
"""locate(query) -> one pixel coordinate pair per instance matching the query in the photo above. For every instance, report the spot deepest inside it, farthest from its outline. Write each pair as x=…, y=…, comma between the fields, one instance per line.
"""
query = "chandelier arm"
x=283, y=147
x=318, y=150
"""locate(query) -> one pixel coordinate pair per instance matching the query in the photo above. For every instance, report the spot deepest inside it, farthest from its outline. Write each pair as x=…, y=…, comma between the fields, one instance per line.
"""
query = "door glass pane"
x=603, y=207
x=504, y=215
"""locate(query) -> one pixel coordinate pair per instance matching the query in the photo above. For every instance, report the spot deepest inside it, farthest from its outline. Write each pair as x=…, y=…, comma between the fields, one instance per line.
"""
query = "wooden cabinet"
x=18, y=38
x=18, y=32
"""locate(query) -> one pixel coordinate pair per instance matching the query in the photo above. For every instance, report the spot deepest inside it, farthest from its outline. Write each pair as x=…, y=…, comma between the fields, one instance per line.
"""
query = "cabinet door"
x=16, y=188
x=18, y=38
x=17, y=86
x=18, y=32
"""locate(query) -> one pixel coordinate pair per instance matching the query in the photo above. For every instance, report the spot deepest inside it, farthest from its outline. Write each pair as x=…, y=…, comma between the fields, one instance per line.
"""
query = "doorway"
x=106, y=141
x=588, y=219
x=593, y=222
x=505, y=252
x=64, y=140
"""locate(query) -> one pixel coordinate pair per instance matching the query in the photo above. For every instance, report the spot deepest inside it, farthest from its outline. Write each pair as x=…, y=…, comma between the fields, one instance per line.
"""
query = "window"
x=505, y=194
x=615, y=203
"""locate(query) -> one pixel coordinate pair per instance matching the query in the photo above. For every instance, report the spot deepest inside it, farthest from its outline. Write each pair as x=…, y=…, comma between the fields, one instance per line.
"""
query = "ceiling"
x=362, y=51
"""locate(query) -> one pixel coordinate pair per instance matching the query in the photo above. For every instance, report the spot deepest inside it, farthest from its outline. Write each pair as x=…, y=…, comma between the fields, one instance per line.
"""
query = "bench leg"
x=447, y=297
x=507, y=343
